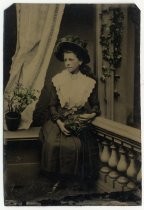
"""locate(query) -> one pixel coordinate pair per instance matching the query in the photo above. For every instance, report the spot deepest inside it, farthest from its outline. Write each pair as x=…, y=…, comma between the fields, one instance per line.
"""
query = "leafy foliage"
x=111, y=38
x=19, y=98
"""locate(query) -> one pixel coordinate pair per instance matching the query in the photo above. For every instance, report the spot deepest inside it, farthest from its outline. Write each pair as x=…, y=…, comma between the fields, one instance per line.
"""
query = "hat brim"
x=68, y=46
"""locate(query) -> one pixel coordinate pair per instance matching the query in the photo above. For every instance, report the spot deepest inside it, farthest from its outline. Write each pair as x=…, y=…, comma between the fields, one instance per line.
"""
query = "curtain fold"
x=37, y=31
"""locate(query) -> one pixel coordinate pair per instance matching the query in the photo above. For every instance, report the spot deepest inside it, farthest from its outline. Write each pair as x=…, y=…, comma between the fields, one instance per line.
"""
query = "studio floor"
x=39, y=193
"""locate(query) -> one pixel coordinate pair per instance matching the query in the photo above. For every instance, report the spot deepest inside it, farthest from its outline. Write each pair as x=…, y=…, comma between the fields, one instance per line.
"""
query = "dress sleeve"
x=94, y=102
x=53, y=105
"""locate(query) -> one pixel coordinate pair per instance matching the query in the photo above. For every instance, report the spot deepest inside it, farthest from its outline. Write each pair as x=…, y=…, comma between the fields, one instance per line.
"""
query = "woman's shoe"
x=55, y=186
x=58, y=186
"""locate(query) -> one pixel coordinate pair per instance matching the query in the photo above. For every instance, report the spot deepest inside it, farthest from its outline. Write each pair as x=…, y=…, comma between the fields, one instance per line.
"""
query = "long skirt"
x=69, y=155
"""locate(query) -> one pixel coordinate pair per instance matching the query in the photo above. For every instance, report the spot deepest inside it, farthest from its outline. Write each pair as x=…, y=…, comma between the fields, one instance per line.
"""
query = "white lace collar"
x=73, y=90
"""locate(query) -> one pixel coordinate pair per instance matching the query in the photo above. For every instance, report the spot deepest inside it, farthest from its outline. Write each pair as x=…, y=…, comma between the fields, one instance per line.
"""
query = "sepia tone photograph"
x=72, y=114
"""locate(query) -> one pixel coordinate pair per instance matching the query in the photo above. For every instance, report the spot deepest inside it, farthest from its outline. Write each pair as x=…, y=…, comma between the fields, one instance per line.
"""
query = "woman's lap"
x=60, y=153
x=63, y=154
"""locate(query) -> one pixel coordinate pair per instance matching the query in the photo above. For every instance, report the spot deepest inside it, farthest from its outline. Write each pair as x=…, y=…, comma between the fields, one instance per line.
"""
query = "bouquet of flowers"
x=74, y=123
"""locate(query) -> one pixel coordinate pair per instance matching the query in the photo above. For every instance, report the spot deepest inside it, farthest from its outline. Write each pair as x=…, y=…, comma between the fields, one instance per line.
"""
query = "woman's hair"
x=84, y=68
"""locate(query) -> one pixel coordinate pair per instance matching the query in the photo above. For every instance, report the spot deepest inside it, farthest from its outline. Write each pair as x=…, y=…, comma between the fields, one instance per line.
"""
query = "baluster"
x=131, y=172
x=105, y=155
x=122, y=167
x=122, y=164
x=113, y=161
x=131, y=185
x=122, y=180
x=132, y=168
x=139, y=176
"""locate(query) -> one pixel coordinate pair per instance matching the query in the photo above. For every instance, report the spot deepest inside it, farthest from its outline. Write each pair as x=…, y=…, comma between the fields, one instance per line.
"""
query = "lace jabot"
x=73, y=90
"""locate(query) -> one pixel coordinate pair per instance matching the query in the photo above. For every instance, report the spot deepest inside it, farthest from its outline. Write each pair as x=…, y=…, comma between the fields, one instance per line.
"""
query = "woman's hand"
x=87, y=117
x=62, y=128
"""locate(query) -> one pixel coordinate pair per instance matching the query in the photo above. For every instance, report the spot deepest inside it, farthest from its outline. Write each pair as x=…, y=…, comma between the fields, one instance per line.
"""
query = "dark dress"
x=74, y=155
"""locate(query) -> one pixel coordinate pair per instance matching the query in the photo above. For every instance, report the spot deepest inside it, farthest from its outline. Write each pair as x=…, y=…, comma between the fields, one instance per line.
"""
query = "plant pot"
x=12, y=120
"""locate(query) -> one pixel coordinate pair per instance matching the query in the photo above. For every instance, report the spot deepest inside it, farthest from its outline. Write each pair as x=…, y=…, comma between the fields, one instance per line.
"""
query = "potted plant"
x=17, y=100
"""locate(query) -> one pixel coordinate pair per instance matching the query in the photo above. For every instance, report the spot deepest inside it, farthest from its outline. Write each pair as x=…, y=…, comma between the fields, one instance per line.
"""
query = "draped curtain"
x=37, y=31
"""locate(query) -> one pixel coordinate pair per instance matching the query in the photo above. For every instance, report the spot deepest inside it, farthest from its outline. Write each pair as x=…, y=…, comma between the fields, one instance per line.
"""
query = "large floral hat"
x=74, y=44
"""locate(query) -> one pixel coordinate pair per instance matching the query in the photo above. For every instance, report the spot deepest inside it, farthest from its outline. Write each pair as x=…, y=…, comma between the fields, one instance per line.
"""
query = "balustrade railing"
x=120, y=155
x=119, y=150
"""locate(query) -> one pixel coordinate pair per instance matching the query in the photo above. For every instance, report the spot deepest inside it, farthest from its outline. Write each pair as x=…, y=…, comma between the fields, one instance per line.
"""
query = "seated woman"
x=69, y=146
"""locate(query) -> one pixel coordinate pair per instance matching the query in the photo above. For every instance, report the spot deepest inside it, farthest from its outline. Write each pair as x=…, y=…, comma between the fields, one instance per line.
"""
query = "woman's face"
x=71, y=62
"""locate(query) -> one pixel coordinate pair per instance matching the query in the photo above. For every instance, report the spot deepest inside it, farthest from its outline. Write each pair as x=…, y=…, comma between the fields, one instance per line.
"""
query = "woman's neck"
x=76, y=71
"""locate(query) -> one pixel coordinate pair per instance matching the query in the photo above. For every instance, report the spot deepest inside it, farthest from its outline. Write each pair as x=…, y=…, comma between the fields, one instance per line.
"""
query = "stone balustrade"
x=120, y=155
x=119, y=150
